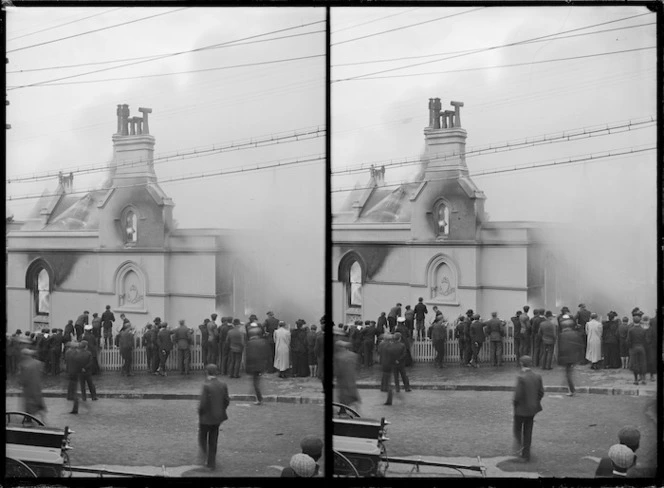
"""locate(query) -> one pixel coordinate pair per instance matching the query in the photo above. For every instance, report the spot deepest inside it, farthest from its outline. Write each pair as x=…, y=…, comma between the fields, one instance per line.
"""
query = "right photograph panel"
x=494, y=241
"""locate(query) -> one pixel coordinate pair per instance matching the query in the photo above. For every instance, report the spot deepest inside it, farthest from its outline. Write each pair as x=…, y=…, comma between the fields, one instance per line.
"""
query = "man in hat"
x=298, y=348
x=81, y=322
x=345, y=372
x=547, y=338
x=89, y=337
x=420, y=313
x=311, y=350
x=183, y=340
x=570, y=350
x=368, y=336
x=311, y=446
x=150, y=344
x=406, y=336
x=477, y=338
x=628, y=436
x=75, y=364
x=536, y=342
x=213, y=339
x=495, y=328
x=55, y=350
x=460, y=335
x=30, y=378
x=388, y=358
x=96, y=328
x=516, y=320
x=271, y=324
x=399, y=367
x=236, y=342
x=526, y=331
x=204, y=338
x=87, y=365
x=319, y=349
x=409, y=315
x=214, y=401
x=622, y=458
x=165, y=345
x=301, y=466
x=224, y=345
x=527, y=403
x=438, y=335
x=107, y=319
x=381, y=324
x=126, y=344
x=257, y=354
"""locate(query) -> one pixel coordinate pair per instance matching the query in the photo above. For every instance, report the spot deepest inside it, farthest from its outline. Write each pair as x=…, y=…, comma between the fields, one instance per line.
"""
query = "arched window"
x=355, y=285
x=43, y=295
x=40, y=279
x=442, y=219
x=129, y=222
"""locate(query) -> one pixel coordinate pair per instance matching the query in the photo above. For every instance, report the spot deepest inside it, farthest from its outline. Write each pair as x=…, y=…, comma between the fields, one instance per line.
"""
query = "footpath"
x=424, y=376
x=175, y=386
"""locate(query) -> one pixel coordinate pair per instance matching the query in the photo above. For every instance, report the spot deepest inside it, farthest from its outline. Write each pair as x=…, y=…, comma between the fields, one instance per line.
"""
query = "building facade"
x=118, y=246
x=431, y=238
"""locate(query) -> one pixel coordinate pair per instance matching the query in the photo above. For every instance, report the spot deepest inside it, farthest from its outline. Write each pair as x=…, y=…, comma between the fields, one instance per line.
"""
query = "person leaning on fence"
x=535, y=339
x=236, y=342
x=438, y=335
x=213, y=339
x=547, y=338
x=125, y=341
x=165, y=344
x=204, y=338
x=477, y=339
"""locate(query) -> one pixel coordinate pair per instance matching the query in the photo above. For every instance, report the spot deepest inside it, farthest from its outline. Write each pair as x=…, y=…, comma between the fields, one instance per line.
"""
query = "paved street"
x=143, y=435
x=459, y=425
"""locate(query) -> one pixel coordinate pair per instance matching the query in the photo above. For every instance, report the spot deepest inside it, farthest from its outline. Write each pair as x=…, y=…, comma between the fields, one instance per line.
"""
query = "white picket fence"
x=110, y=359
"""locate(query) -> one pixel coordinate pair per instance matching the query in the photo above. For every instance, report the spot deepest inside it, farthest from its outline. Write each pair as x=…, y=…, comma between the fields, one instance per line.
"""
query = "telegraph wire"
x=254, y=142
x=96, y=63
x=202, y=70
x=276, y=164
x=565, y=136
x=491, y=48
x=355, y=63
x=549, y=163
x=374, y=20
x=406, y=26
x=166, y=55
x=95, y=30
x=513, y=65
x=62, y=25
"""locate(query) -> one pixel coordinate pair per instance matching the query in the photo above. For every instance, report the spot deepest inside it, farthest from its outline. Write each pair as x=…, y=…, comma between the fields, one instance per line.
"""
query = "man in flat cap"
x=527, y=403
x=312, y=447
x=214, y=401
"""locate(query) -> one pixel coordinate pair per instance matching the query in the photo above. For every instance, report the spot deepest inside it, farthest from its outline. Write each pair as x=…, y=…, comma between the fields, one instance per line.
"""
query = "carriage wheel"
x=345, y=411
x=343, y=461
x=18, y=469
x=26, y=417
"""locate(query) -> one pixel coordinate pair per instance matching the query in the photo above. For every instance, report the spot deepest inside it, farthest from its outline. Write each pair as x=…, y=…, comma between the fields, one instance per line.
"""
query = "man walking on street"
x=257, y=354
x=30, y=379
x=74, y=367
x=212, y=407
x=527, y=403
x=495, y=328
x=183, y=340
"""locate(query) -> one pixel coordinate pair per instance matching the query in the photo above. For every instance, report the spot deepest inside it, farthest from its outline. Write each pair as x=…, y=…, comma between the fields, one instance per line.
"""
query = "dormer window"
x=130, y=226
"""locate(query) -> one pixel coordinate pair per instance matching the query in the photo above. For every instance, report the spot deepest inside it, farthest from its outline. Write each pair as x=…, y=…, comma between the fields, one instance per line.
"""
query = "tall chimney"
x=445, y=142
x=133, y=149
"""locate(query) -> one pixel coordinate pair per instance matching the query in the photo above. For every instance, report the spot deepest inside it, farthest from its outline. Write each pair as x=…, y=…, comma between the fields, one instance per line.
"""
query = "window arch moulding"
x=442, y=280
x=130, y=288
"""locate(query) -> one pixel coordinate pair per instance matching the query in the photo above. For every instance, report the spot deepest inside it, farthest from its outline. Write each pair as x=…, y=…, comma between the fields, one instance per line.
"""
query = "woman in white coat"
x=282, y=338
x=594, y=344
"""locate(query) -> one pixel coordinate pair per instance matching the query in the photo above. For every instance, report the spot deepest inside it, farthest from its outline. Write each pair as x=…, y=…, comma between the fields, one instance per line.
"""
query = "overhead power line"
x=565, y=136
x=406, y=26
x=389, y=60
x=551, y=163
x=481, y=50
x=513, y=65
x=211, y=46
x=96, y=63
x=254, y=142
x=62, y=25
x=374, y=20
x=277, y=164
x=95, y=30
x=202, y=70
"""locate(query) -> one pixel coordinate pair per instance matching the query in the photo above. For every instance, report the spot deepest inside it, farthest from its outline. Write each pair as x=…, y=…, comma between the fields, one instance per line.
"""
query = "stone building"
x=118, y=246
x=431, y=238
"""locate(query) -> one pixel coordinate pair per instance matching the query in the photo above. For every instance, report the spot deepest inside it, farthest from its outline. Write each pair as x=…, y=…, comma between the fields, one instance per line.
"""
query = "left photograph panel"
x=165, y=241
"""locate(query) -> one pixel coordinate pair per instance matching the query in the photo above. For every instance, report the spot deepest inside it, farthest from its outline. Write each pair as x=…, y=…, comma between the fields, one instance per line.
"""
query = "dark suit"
x=183, y=339
x=368, y=341
x=211, y=413
x=55, y=346
x=438, y=335
x=165, y=345
x=400, y=365
x=477, y=338
x=570, y=351
x=85, y=375
x=389, y=355
x=527, y=403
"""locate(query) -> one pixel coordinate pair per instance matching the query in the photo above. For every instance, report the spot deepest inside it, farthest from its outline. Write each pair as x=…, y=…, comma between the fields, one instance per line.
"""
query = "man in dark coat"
x=516, y=320
x=107, y=319
x=582, y=317
x=87, y=365
x=438, y=335
x=495, y=329
x=125, y=341
x=610, y=341
x=460, y=335
x=399, y=367
x=311, y=353
x=55, y=350
x=477, y=338
x=75, y=364
x=406, y=339
x=409, y=315
x=395, y=312
x=30, y=378
x=527, y=403
x=96, y=328
x=536, y=345
x=570, y=350
x=236, y=343
x=526, y=332
x=183, y=340
x=43, y=353
x=149, y=343
x=213, y=339
x=420, y=312
x=257, y=354
x=637, y=341
x=165, y=345
x=204, y=339
x=381, y=324
x=80, y=323
x=369, y=342
x=547, y=338
x=271, y=324
x=345, y=372
x=389, y=355
x=319, y=349
x=224, y=345
x=88, y=336
x=212, y=407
